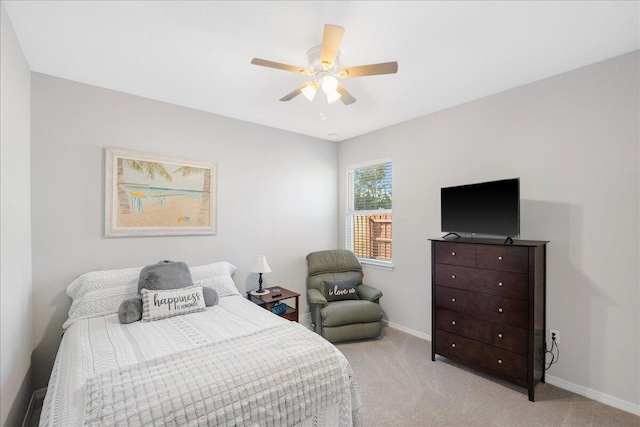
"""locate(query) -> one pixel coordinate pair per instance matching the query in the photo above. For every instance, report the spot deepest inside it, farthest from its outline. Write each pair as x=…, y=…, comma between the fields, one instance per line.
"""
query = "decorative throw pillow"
x=340, y=289
x=165, y=275
x=210, y=296
x=130, y=310
x=160, y=304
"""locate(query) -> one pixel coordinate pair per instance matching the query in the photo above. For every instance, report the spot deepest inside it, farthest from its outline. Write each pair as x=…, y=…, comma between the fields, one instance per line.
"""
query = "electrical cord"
x=554, y=357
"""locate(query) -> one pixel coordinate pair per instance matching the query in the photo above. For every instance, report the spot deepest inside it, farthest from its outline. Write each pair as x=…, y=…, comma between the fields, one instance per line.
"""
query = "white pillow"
x=158, y=305
x=99, y=293
x=216, y=276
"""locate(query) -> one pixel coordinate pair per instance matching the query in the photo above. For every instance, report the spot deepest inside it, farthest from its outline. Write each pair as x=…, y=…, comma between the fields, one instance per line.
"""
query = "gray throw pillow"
x=130, y=310
x=165, y=275
x=337, y=290
x=210, y=296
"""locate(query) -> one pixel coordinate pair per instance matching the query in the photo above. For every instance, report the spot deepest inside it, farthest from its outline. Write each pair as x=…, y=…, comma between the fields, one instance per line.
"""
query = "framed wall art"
x=152, y=195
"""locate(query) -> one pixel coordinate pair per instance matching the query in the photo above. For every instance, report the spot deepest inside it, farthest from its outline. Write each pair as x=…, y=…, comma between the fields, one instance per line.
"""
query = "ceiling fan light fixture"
x=329, y=84
x=309, y=91
x=333, y=97
x=324, y=67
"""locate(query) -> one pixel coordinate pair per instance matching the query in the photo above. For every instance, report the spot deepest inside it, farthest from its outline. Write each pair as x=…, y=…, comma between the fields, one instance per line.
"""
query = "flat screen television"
x=491, y=208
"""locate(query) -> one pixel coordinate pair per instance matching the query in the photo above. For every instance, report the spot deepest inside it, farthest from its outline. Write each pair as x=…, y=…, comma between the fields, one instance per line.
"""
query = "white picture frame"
x=153, y=195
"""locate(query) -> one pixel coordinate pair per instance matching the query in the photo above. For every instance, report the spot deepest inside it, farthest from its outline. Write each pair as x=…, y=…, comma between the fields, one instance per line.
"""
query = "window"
x=368, y=214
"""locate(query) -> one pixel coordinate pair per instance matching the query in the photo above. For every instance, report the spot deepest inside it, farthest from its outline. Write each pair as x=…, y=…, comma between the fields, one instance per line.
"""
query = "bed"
x=232, y=364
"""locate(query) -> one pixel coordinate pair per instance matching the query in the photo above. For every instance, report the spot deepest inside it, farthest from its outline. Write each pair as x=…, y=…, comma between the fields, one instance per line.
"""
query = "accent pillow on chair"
x=338, y=290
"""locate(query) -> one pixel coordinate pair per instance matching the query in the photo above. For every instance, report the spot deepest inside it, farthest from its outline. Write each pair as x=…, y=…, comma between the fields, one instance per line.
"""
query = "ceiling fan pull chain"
x=322, y=106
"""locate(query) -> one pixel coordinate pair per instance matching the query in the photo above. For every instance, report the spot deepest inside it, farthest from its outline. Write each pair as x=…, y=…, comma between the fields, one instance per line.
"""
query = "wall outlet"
x=554, y=333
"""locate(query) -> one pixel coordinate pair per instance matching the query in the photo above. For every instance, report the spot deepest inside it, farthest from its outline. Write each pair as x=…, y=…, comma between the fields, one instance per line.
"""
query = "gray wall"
x=573, y=141
x=15, y=228
x=276, y=193
x=15, y=253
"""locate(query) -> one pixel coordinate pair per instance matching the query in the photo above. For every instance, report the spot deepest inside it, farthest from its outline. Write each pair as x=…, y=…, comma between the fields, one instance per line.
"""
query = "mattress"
x=101, y=346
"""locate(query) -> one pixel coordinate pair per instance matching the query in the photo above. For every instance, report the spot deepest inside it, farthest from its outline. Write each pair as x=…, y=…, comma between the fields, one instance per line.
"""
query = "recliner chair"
x=345, y=320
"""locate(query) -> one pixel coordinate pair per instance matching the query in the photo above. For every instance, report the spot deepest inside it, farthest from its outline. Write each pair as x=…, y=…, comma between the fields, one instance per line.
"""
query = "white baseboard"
x=593, y=394
x=409, y=331
x=38, y=394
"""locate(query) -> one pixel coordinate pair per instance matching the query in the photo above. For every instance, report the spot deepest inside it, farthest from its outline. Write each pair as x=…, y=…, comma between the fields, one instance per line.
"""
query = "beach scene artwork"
x=152, y=195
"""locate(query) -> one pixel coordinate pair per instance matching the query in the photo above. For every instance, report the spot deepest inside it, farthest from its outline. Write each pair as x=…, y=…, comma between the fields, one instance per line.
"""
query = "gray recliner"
x=348, y=319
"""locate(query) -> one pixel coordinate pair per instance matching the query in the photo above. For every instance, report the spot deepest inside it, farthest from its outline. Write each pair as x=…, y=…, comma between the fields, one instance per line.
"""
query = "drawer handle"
x=453, y=276
x=500, y=284
x=500, y=258
x=453, y=299
x=453, y=322
x=499, y=335
x=500, y=361
x=453, y=254
x=500, y=310
x=453, y=345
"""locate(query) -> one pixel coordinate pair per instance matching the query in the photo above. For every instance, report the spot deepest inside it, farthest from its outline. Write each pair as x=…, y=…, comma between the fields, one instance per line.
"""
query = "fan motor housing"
x=315, y=65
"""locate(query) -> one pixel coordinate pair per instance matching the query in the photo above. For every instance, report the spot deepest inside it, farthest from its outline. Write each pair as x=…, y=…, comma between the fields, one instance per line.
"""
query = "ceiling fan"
x=323, y=67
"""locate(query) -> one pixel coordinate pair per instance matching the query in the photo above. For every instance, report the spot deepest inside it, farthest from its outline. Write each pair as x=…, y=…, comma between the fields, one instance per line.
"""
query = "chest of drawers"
x=488, y=307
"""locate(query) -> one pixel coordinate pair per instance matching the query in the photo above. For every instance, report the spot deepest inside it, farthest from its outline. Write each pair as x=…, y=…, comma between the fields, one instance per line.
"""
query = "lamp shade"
x=310, y=90
x=333, y=97
x=329, y=84
x=261, y=265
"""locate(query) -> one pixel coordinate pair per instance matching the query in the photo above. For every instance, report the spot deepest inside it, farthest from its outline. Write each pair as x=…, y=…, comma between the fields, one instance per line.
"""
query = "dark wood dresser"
x=488, y=307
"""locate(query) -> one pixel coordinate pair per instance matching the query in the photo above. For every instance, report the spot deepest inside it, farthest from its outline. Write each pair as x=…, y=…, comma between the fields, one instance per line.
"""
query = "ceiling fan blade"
x=331, y=40
x=369, y=70
x=297, y=91
x=280, y=66
x=346, y=97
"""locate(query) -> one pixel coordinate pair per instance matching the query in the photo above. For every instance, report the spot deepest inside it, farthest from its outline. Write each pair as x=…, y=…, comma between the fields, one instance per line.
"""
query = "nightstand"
x=267, y=300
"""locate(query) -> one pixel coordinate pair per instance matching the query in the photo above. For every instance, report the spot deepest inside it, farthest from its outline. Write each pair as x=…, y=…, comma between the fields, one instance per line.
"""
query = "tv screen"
x=484, y=208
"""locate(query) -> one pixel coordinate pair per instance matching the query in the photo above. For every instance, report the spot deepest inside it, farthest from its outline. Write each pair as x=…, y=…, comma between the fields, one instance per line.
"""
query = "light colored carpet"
x=401, y=386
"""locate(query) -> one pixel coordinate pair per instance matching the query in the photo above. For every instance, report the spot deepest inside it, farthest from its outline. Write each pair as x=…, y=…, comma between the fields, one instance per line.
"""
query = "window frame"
x=350, y=212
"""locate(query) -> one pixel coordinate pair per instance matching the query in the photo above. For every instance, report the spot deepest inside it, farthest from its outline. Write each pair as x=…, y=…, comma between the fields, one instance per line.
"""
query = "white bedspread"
x=98, y=345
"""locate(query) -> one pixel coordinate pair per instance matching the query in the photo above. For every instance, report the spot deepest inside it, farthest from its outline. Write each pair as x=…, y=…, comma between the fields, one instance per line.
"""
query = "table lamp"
x=261, y=267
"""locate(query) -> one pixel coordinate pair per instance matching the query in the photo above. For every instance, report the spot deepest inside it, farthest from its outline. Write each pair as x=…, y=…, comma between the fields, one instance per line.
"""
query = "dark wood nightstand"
x=267, y=300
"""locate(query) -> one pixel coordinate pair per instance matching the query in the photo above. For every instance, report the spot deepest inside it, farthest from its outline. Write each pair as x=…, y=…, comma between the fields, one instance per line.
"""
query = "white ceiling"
x=197, y=54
